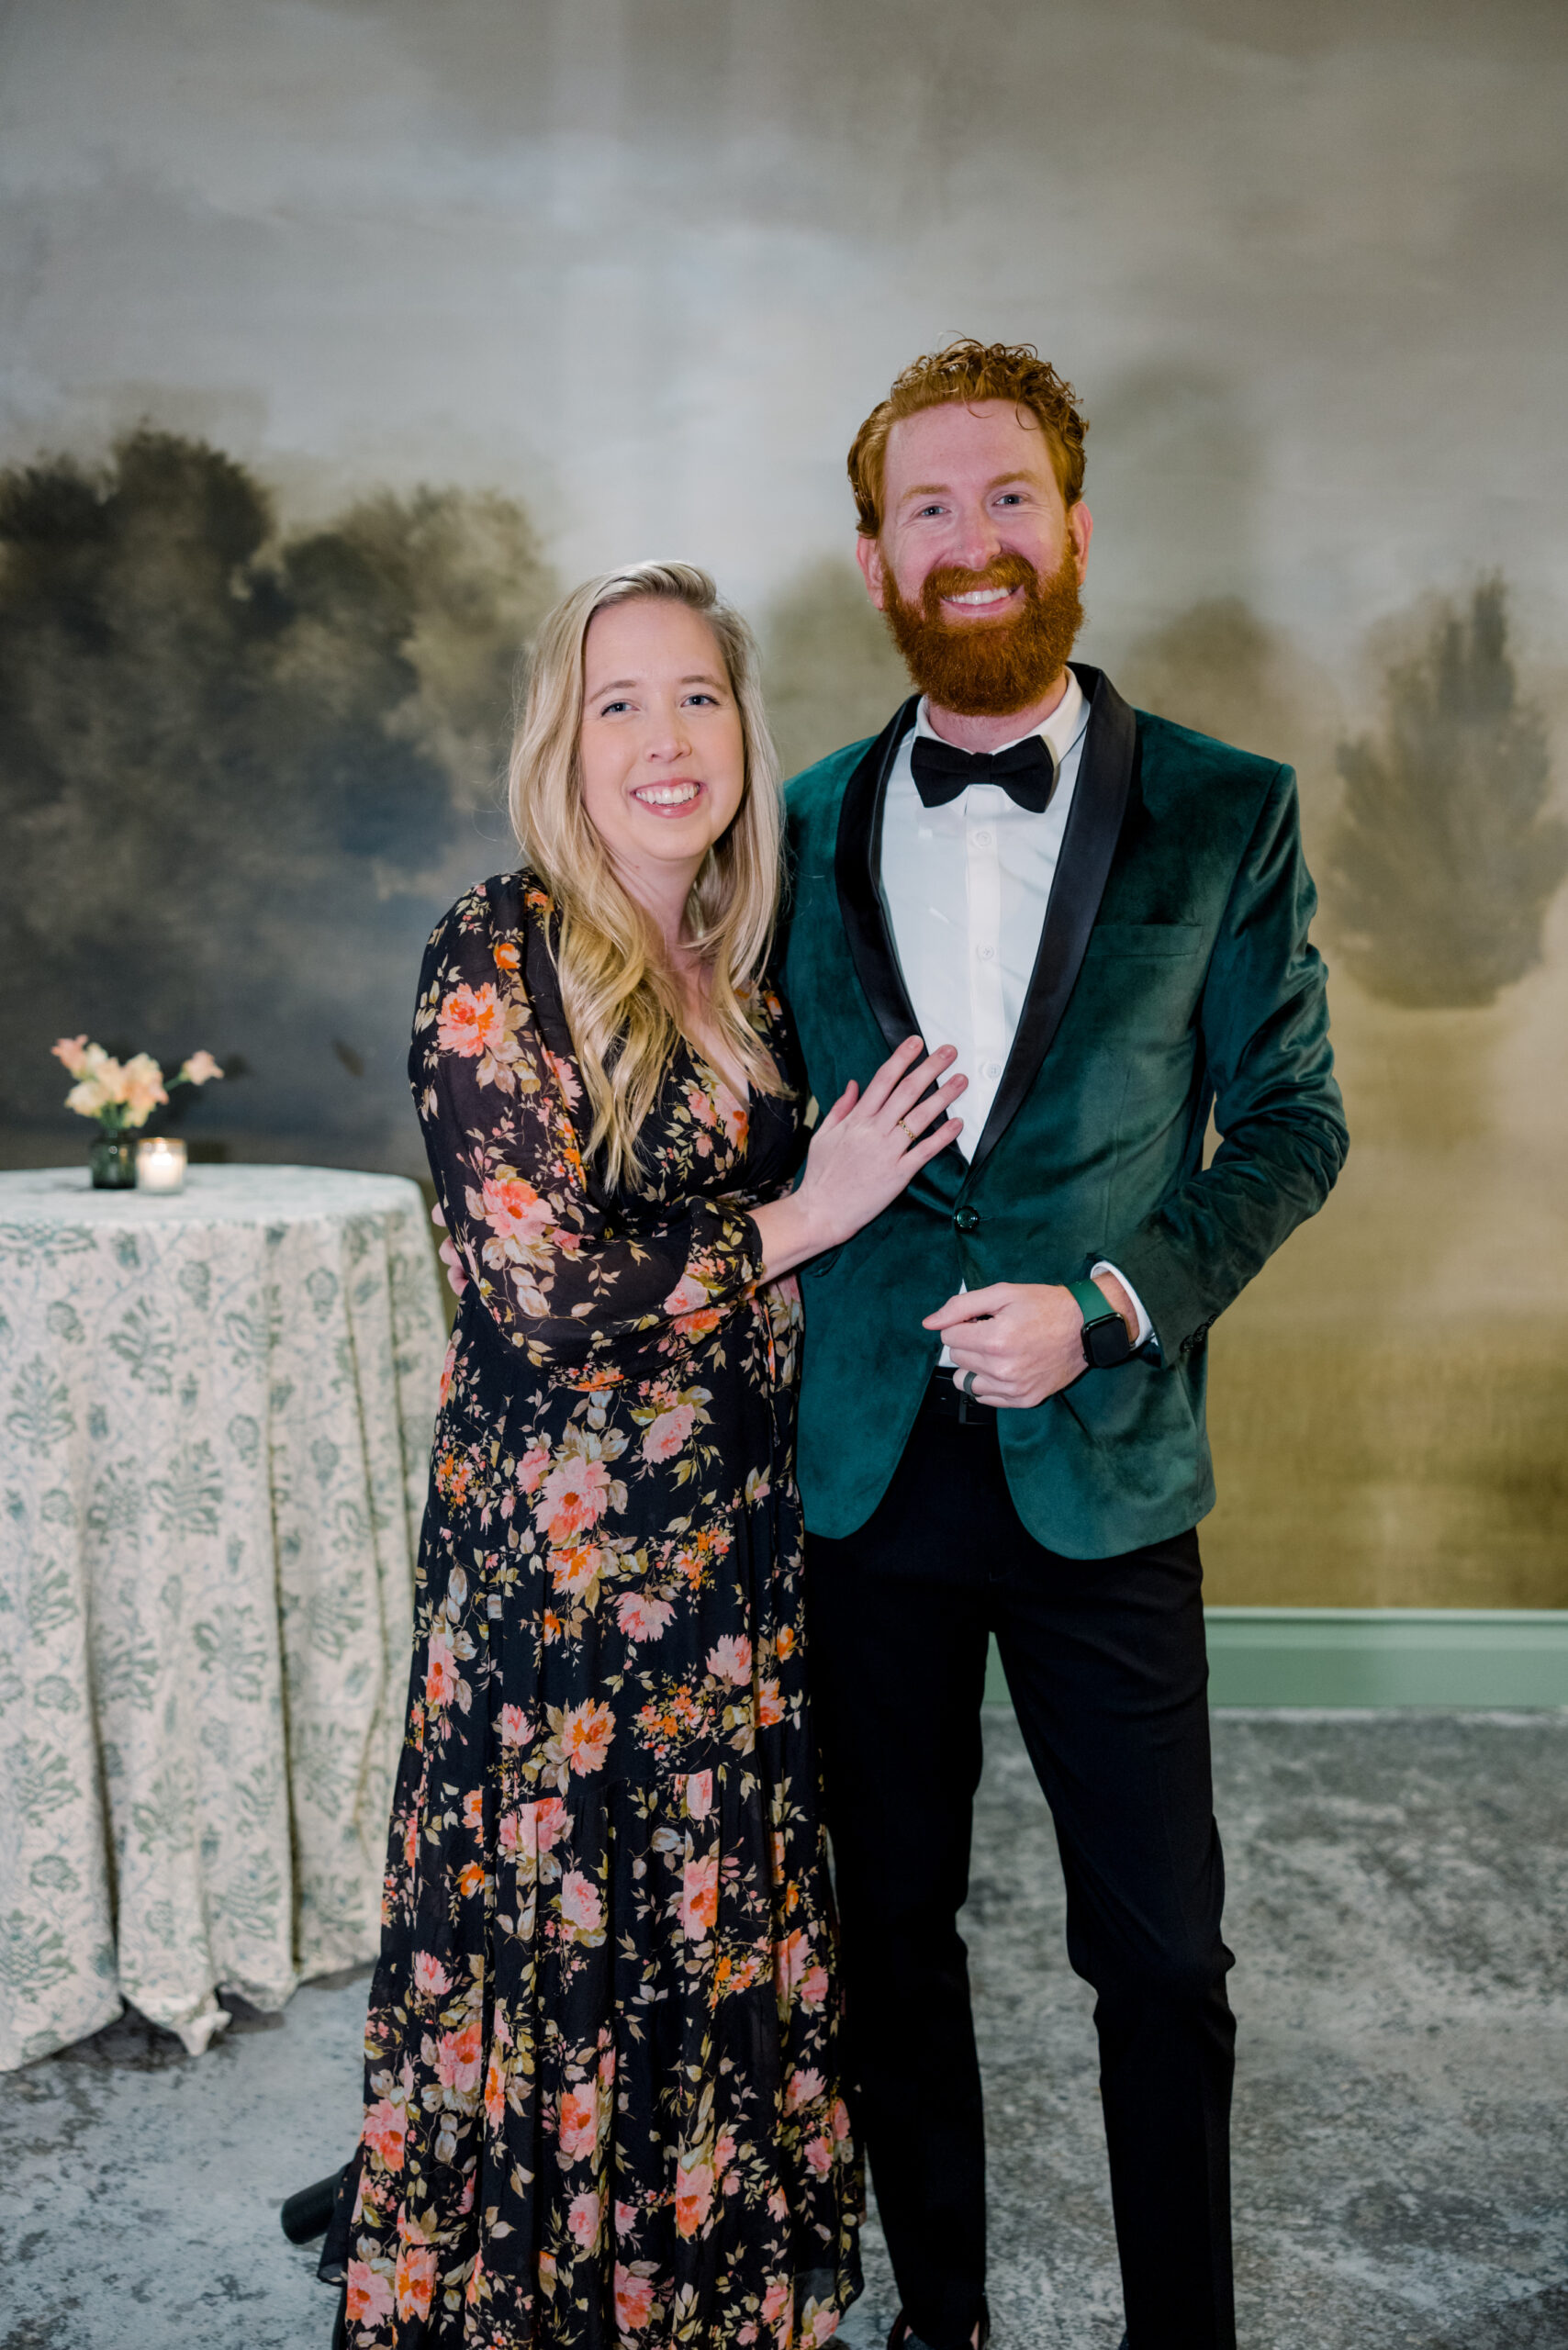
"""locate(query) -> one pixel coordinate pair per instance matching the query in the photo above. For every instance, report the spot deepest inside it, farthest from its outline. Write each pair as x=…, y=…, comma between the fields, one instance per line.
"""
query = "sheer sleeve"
x=549, y=1265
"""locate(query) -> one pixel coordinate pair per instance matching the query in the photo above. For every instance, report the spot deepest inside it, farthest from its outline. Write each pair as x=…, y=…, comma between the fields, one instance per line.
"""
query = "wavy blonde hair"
x=622, y=1001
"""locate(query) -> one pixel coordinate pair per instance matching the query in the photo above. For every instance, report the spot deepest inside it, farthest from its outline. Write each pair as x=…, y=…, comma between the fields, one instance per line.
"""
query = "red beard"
x=988, y=668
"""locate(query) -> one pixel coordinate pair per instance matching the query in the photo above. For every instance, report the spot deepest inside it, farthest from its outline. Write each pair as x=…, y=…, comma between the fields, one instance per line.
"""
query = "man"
x=1001, y=1423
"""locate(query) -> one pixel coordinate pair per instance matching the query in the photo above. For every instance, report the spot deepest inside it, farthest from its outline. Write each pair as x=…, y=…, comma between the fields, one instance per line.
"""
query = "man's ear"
x=868, y=555
x=1080, y=522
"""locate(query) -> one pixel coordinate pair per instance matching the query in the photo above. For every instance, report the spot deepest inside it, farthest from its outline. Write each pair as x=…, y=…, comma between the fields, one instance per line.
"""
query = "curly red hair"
x=968, y=371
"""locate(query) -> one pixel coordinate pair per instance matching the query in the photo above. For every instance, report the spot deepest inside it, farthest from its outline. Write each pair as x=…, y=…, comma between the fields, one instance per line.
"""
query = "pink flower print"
x=431, y=1980
x=803, y=2089
x=514, y=1210
x=823, y=2327
x=838, y=2119
x=458, y=2056
x=699, y=1104
x=474, y=1808
x=578, y=2129
x=581, y=1904
x=531, y=1467
x=625, y=2219
x=640, y=1617
x=699, y=1795
x=566, y=1077
x=456, y=1273
x=700, y=1897
x=583, y=2217
x=730, y=1659
x=574, y=1569
x=549, y=1821
x=693, y=2194
x=790, y=1957
x=384, y=2132
x=775, y=2300
x=494, y=2090
x=470, y=1022
x=573, y=1496
x=664, y=1436
x=415, y=2279
x=586, y=1733
x=444, y=1392
x=441, y=1670
x=633, y=2297
x=516, y=1727
x=732, y=1117
x=819, y=2154
x=686, y=1297
x=370, y=2294
x=814, y=1986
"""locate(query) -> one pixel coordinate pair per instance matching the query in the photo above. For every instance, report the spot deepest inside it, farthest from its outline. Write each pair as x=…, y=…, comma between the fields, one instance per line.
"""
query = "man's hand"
x=1023, y=1341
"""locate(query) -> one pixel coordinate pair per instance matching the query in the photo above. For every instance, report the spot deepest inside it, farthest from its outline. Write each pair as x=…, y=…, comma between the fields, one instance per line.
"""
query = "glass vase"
x=112, y=1162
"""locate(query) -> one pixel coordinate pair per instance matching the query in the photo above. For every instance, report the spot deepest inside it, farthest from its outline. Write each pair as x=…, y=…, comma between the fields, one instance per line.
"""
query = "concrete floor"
x=1399, y=1907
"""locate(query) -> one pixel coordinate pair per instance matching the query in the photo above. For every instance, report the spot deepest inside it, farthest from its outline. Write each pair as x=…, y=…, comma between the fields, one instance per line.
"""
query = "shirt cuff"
x=1145, y=1327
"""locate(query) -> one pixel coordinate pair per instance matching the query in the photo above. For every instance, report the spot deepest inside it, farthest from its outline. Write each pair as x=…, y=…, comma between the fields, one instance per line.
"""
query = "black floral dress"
x=602, y=2096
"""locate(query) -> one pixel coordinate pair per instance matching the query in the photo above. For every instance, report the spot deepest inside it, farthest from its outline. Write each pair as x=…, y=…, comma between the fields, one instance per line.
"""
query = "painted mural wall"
x=337, y=335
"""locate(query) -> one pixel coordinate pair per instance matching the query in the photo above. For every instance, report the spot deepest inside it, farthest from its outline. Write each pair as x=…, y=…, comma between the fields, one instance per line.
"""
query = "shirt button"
x=986, y=954
x=991, y=1069
x=982, y=840
x=967, y=1219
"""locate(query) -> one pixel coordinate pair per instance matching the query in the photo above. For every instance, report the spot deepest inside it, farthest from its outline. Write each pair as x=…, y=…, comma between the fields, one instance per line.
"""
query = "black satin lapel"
x=854, y=874
x=1099, y=804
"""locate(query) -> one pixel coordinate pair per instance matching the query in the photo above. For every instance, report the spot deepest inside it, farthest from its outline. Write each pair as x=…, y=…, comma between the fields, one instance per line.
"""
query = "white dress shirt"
x=965, y=889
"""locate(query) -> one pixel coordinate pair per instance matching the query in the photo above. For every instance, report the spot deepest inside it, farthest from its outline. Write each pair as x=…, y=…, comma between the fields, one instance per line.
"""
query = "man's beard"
x=988, y=668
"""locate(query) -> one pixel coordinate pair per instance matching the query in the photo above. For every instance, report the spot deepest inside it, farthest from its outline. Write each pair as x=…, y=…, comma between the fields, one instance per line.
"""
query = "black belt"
x=944, y=1397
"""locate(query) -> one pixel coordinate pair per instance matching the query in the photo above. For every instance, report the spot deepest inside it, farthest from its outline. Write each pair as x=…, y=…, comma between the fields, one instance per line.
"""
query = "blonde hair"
x=622, y=1003
x=965, y=372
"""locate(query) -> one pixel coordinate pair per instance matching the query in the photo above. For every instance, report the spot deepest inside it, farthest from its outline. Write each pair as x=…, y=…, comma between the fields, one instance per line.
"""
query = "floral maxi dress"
x=602, y=2097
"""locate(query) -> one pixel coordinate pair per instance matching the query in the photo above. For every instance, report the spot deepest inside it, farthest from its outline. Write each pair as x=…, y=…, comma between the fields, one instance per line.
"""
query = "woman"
x=604, y=2103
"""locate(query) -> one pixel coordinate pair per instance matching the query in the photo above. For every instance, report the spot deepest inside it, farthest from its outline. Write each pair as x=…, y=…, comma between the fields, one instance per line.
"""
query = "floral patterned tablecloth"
x=215, y=1421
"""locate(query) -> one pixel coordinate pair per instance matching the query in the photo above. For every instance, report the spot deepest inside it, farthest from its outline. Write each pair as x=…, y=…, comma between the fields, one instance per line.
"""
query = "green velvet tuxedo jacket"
x=1174, y=974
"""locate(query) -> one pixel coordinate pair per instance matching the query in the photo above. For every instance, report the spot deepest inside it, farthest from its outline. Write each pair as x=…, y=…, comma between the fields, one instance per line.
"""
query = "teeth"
x=981, y=596
x=665, y=795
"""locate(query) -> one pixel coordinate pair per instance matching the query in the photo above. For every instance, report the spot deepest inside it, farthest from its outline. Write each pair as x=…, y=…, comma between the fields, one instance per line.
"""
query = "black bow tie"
x=1025, y=771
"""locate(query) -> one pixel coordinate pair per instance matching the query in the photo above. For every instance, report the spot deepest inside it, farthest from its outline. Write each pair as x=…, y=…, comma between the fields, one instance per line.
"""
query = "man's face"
x=979, y=558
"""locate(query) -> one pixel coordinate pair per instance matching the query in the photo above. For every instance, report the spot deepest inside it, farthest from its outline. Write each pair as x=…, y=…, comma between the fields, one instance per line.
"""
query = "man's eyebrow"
x=942, y=488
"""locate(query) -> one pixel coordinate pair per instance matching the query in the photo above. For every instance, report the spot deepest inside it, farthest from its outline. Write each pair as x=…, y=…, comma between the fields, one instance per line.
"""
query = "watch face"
x=1106, y=1343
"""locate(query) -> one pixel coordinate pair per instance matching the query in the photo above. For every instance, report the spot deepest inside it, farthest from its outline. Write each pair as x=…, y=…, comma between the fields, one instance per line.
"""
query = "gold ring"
x=907, y=1135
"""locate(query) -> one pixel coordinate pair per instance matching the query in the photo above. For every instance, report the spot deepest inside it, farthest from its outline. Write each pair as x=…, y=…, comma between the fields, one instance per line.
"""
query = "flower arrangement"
x=122, y=1095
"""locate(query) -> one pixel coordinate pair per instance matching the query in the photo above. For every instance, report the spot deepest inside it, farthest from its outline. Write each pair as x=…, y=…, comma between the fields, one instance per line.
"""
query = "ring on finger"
x=900, y=1123
x=967, y=1384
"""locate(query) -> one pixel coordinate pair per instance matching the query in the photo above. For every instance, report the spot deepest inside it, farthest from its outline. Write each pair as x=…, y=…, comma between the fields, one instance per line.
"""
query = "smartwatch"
x=1105, y=1339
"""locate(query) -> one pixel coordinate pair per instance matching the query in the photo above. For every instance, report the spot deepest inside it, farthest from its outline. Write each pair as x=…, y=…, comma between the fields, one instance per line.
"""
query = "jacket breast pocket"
x=1145, y=940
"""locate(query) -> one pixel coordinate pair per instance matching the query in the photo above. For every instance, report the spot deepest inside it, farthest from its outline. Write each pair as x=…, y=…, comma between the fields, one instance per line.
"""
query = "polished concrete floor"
x=1399, y=1908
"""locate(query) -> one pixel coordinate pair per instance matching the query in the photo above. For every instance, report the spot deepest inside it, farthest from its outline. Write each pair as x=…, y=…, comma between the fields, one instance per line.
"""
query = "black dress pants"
x=1105, y=1659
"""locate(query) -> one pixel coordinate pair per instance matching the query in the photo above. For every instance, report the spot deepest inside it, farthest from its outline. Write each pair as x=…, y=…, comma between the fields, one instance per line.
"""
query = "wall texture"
x=335, y=334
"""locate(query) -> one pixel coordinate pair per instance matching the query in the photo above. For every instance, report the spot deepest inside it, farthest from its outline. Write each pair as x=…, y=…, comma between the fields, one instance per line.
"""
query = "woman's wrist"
x=790, y=1232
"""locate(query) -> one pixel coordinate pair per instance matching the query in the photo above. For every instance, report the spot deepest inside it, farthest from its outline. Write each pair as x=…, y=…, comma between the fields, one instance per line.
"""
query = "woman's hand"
x=863, y=1154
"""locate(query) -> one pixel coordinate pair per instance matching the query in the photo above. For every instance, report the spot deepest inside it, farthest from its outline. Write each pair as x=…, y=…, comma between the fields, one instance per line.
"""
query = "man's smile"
x=982, y=601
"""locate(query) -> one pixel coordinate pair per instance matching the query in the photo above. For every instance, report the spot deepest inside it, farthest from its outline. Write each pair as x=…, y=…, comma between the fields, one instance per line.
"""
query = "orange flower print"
x=573, y=1570
x=457, y=2058
x=693, y=2193
x=440, y=1669
x=770, y=1705
x=508, y=955
x=470, y=1022
x=785, y=1641
x=370, y=2294
x=386, y=2132
x=578, y=2129
x=573, y=1496
x=494, y=2090
x=586, y=1733
x=431, y=1980
x=664, y=1436
x=415, y=2280
x=633, y=2300
x=474, y=1808
x=641, y=1618
x=730, y=1659
x=470, y=1879
x=699, y=1898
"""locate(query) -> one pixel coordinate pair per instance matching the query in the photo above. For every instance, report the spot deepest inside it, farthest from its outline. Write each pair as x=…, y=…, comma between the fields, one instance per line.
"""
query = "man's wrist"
x=1115, y=1296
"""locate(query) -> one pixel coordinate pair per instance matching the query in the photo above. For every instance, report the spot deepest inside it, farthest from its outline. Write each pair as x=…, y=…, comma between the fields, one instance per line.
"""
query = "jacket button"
x=967, y=1219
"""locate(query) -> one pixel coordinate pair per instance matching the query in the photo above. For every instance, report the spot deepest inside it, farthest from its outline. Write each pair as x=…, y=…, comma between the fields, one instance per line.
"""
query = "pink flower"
x=549, y=1821
x=494, y=2090
x=730, y=1659
x=803, y=2088
x=200, y=1070
x=458, y=2056
x=511, y=1832
x=581, y=1904
x=790, y=1957
x=516, y=1727
x=578, y=2130
x=838, y=2121
x=531, y=1467
x=642, y=1617
x=415, y=2279
x=586, y=1733
x=583, y=2216
x=686, y=1297
x=470, y=1022
x=775, y=2300
x=700, y=1897
x=513, y=1209
x=699, y=1795
x=431, y=1977
x=814, y=1986
x=574, y=1569
x=443, y=1393
x=384, y=2132
x=566, y=1077
x=72, y=1051
x=633, y=2298
x=474, y=1807
x=441, y=1670
x=625, y=2219
x=370, y=2294
x=693, y=2194
x=664, y=1436
x=701, y=1107
x=574, y=1496
x=819, y=2154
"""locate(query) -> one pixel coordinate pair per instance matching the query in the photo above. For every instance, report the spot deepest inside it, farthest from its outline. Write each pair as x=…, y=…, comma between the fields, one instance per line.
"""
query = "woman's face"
x=663, y=754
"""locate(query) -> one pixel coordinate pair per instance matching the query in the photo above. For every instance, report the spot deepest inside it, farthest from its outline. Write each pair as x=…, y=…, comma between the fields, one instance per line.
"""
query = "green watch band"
x=1106, y=1341
x=1093, y=1304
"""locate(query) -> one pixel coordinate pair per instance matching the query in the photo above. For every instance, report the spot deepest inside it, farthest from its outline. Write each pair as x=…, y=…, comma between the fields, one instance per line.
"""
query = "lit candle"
x=159, y=1165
